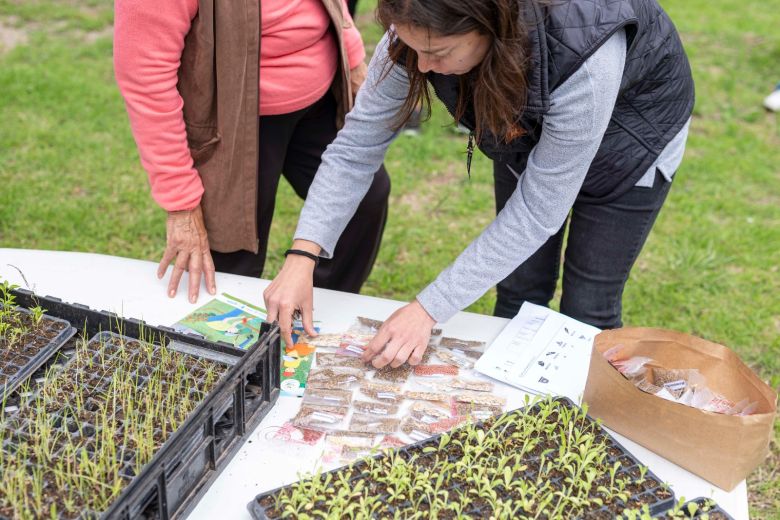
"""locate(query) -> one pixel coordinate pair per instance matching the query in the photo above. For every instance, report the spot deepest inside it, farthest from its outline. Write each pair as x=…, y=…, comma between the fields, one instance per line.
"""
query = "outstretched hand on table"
x=403, y=337
x=188, y=244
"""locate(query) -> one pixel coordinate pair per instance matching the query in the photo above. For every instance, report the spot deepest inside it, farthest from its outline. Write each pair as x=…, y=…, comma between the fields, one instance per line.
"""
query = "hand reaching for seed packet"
x=290, y=295
x=403, y=337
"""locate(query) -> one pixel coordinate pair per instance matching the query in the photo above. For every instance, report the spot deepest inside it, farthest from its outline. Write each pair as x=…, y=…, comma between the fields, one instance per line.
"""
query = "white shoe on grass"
x=772, y=101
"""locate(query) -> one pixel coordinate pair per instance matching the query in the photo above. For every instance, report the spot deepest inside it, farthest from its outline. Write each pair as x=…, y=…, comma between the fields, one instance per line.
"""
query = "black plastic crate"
x=629, y=464
x=180, y=472
x=16, y=369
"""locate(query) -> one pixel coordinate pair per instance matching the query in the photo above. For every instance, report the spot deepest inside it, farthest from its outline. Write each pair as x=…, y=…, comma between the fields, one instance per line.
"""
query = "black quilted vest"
x=655, y=100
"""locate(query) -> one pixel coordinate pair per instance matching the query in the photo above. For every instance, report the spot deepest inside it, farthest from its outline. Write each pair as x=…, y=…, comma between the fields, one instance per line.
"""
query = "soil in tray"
x=22, y=340
x=93, y=423
x=551, y=460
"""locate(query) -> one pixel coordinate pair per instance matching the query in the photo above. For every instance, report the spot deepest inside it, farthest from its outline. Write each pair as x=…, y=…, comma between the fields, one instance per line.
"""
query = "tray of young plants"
x=27, y=339
x=700, y=508
x=545, y=460
x=129, y=421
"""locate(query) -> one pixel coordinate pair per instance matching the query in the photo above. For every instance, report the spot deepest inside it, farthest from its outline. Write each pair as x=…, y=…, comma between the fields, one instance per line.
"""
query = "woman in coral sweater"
x=305, y=48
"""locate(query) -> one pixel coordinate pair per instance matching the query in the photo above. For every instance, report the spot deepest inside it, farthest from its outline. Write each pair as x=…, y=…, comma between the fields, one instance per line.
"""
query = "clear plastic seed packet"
x=321, y=340
x=381, y=391
x=415, y=430
x=354, y=344
x=473, y=385
x=363, y=325
x=291, y=433
x=344, y=446
x=325, y=359
x=450, y=384
x=411, y=426
x=427, y=412
x=473, y=355
x=461, y=344
x=372, y=408
x=479, y=398
x=426, y=357
x=393, y=375
x=325, y=397
x=350, y=453
x=373, y=424
x=435, y=370
x=479, y=412
x=348, y=438
x=320, y=417
x=334, y=378
x=426, y=396
x=391, y=442
x=677, y=380
x=451, y=358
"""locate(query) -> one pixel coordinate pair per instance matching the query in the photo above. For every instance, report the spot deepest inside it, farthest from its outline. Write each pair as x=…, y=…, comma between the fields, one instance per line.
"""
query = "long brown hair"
x=497, y=86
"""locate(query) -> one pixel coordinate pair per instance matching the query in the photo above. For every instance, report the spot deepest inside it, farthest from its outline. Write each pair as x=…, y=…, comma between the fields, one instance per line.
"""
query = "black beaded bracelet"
x=301, y=252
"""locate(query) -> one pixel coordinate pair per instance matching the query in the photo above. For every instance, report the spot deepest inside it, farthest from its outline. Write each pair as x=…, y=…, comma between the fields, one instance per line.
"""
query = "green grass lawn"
x=70, y=179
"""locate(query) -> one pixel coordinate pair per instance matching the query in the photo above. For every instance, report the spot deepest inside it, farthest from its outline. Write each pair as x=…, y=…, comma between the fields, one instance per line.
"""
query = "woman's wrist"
x=424, y=311
x=306, y=245
x=297, y=257
x=300, y=252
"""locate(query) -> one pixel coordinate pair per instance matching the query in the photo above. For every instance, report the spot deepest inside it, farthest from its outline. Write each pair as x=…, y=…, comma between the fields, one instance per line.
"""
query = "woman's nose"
x=424, y=63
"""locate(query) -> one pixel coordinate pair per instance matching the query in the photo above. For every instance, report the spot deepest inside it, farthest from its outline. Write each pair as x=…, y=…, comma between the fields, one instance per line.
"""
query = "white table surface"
x=131, y=288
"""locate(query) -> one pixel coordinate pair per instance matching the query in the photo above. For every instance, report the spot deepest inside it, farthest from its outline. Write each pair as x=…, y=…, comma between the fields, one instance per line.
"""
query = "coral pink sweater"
x=298, y=61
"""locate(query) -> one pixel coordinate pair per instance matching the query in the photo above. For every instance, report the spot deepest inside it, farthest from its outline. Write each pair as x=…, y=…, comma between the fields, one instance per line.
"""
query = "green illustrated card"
x=225, y=318
x=236, y=322
x=296, y=363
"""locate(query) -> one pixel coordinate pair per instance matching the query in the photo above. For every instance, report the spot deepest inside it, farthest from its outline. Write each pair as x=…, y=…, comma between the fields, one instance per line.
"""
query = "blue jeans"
x=603, y=242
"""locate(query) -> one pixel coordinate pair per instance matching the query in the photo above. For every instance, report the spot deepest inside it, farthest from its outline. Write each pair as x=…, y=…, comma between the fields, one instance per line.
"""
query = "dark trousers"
x=292, y=145
x=603, y=242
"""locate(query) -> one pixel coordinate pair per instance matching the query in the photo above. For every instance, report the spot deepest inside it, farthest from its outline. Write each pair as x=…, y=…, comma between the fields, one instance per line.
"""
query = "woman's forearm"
x=148, y=43
x=349, y=163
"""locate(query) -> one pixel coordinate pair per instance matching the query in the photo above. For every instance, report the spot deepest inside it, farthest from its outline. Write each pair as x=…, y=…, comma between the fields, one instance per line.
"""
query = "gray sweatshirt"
x=580, y=111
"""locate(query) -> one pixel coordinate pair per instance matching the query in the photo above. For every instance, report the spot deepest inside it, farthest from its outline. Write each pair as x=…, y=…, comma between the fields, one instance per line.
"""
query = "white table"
x=131, y=288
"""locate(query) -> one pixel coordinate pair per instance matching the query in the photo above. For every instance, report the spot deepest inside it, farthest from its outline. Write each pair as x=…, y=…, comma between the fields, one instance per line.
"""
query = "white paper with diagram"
x=541, y=351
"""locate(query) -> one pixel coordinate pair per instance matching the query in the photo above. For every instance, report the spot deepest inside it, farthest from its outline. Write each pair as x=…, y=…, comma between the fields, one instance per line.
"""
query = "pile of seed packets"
x=358, y=409
x=686, y=386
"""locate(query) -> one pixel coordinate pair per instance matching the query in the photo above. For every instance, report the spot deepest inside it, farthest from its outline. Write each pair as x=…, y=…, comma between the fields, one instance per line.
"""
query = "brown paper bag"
x=722, y=449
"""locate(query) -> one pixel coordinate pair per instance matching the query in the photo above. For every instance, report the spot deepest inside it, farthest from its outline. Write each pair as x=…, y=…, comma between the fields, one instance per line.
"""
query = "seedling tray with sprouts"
x=701, y=508
x=129, y=420
x=27, y=341
x=548, y=459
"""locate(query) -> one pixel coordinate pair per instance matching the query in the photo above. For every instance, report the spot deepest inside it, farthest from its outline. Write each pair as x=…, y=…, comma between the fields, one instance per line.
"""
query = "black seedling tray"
x=182, y=470
x=28, y=388
x=629, y=465
x=16, y=370
x=84, y=429
x=713, y=512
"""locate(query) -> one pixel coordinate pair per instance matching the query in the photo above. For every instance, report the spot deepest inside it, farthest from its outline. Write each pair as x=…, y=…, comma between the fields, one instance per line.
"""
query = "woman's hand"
x=188, y=243
x=293, y=291
x=404, y=336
